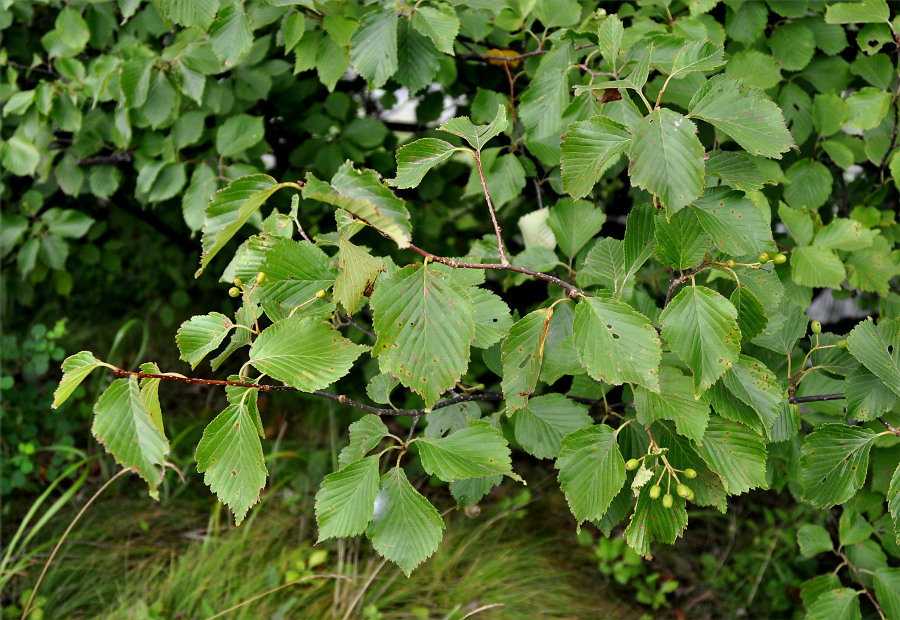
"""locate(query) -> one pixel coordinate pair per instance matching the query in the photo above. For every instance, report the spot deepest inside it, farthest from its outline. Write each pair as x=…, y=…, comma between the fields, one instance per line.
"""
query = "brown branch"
x=855, y=570
x=573, y=290
x=112, y=159
x=797, y=400
x=676, y=282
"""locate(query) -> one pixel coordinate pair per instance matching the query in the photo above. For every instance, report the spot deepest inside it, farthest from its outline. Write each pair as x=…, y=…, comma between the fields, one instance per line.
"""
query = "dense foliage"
x=681, y=180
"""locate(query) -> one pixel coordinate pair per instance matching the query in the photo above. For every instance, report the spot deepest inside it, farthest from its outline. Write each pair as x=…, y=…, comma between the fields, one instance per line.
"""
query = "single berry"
x=690, y=496
x=260, y=277
x=842, y=344
x=668, y=500
x=815, y=327
x=683, y=490
x=321, y=294
x=234, y=291
x=655, y=490
x=779, y=259
x=763, y=258
x=632, y=464
x=729, y=263
x=237, y=282
x=690, y=473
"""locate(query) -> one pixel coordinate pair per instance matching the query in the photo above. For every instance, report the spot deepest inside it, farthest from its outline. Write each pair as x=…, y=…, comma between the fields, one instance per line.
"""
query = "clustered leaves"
x=662, y=368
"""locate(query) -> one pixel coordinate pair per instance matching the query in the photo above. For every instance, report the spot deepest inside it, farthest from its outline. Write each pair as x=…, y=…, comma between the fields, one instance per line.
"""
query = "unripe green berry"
x=237, y=282
x=260, y=277
x=234, y=291
x=729, y=263
x=655, y=490
x=668, y=500
x=683, y=490
x=815, y=327
x=842, y=344
x=320, y=294
x=779, y=259
x=690, y=496
x=632, y=464
x=763, y=258
x=690, y=473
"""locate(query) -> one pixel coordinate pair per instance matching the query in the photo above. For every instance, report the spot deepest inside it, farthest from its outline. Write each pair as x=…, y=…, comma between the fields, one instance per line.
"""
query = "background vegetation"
x=120, y=121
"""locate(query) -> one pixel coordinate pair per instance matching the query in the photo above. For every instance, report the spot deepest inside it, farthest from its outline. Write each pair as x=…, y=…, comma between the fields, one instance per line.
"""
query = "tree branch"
x=490, y=205
x=573, y=290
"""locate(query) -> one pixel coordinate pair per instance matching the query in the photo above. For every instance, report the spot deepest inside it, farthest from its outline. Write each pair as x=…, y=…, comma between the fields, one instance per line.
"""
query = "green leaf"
x=345, y=503
x=365, y=434
x=199, y=13
x=425, y=327
x=681, y=243
x=574, y=223
x=293, y=29
x=893, y=501
x=844, y=234
x=406, y=528
x=543, y=103
x=230, y=35
x=357, y=271
x=808, y=184
x=230, y=209
x=853, y=528
x=201, y=335
x=591, y=471
x=867, y=396
x=667, y=158
x=752, y=319
x=474, y=452
x=417, y=158
x=609, y=37
x=380, y=386
x=878, y=349
x=150, y=394
x=75, y=369
x=541, y=425
x=605, y=265
x=295, y=272
x=887, y=591
x=798, y=222
x=477, y=135
x=744, y=113
x=238, y=133
x=304, y=353
x=835, y=604
x=701, y=327
x=738, y=169
x=653, y=522
x=492, y=318
x=793, y=45
x=469, y=492
x=813, y=540
x=589, y=148
x=123, y=426
x=736, y=226
x=787, y=323
x=439, y=23
x=230, y=456
x=332, y=61
x=19, y=156
x=675, y=401
x=757, y=386
x=373, y=47
x=736, y=454
x=817, y=267
x=747, y=22
x=864, y=12
x=833, y=463
x=418, y=59
x=617, y=344
x=363, y=194
x=521, y=355
x=698, y=56
x=450, y=419
x=867, y=107
x=758, y=70
x=829, y=113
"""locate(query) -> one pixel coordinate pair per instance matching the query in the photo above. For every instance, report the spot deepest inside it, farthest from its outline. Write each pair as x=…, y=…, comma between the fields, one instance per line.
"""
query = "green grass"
x=140, y=560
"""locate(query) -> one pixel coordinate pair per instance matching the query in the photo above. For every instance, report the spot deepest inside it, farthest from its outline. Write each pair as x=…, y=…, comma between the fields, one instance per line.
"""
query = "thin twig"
x=573, y=290
x=855, y=570
x=487, y=196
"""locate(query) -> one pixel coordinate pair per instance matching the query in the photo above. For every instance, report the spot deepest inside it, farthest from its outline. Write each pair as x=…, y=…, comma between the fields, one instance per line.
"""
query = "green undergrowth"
x=128, y=559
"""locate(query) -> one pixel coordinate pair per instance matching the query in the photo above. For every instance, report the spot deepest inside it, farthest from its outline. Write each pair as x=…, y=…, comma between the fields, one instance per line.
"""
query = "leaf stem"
x=487, y=197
